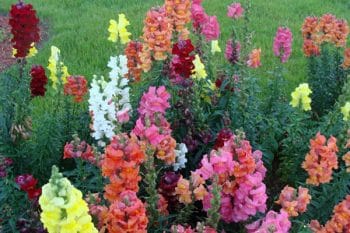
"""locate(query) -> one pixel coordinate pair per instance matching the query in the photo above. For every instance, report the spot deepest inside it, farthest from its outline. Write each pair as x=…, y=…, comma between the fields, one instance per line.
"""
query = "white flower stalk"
x=180, y=156
x=109, y=100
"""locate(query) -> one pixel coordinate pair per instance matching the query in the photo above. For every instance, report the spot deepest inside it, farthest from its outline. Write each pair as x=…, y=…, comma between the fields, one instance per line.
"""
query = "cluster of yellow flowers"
x=301, y=97
x=199, y=69
x=31, y=53
x=118, y=29
x=57, y=68
x=63, y=208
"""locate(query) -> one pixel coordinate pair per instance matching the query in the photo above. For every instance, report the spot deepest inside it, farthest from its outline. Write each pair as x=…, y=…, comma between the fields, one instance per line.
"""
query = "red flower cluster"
x=223, y=136
x=79, y=149
x=167, y=186
x=121, y=164
x=38, y=82
x=76, y=86
x=24, y=28
x=132, y=52
x=27, y=184
x=127, y=215
x=182, y=62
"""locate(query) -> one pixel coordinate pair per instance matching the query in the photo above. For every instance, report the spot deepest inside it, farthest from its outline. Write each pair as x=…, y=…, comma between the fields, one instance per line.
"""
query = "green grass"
x=79, y=28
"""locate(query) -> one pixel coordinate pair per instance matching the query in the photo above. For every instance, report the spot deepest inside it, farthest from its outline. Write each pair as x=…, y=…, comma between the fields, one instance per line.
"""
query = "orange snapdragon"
x=121, y=164
x=254, y=58
x=132, y=52
x=346, y=62
x=183, y=191
x=321, y=159
x=157, y=33
x=178, y=11
x=293, y=201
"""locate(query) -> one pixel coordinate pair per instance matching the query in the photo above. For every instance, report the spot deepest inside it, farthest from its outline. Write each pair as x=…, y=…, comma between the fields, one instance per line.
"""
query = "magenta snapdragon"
x=235, y=10
x=273, y=222
x=282, y=45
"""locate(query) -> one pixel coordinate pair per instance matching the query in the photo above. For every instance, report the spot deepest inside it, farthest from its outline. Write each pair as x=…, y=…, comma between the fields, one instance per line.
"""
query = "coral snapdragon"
x=178, y=12
x=63, y=208
x=121, y=164
x=294, y=201
x=321, y=160
x=78, y=149
x=76, y=86
x=254, y=58
x=282, y=45
x=157, y=33
x=128, y=214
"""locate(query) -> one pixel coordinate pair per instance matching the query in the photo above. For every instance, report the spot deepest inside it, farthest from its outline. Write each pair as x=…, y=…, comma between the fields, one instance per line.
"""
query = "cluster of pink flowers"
x=79, y=149
x=293, y=201
x=240, y=173
x=282, y=44
x=207, y=25
x=152, y=125
x=273, y=222
x=232, y=51
x=235, y=10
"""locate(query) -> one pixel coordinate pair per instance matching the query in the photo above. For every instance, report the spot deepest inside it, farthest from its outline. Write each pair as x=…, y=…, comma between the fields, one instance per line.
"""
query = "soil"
x=6, y=58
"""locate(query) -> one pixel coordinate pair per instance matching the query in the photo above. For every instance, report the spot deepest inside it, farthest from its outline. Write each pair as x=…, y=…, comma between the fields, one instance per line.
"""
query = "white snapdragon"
x=180, y=156
x=108, y=99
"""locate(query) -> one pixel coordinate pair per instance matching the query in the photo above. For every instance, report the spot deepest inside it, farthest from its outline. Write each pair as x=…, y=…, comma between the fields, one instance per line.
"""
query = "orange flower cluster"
x=340, y=221
x=157, y=33
x=127, y=215
x=185, y=191
x=326, y=29
x=77, y=87
x=293, y=201
x=179, y=13
x=166, y=150
x=321, y=159
x=121, y=164
x=132, y=53
x=346, y=62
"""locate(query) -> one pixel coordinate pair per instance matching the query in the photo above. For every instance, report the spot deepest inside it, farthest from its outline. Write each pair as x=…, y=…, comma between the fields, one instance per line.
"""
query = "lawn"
x=79, y=29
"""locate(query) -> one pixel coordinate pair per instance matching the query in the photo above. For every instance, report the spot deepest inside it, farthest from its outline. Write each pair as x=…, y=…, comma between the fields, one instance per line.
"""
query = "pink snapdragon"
x=273, y=222
x=211, y=28
x=232, y=51
x=199, y=16
x=282, y=45
x=235, y=10
x=155, y=100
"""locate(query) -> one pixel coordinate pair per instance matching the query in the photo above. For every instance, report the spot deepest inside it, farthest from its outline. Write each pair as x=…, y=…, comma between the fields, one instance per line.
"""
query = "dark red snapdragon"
x=223, y=136
x=167, y=186
x=38, y=81
x=182, y=62
x=24, y=28
x=27, y=183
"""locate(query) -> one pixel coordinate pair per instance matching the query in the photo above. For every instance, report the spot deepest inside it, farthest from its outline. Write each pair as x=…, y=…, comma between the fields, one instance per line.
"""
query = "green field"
x=79, y=28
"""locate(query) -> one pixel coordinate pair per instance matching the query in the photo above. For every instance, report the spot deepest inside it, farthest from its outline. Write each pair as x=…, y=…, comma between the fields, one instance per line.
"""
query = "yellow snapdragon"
x=346, y=111
x=199, y=69
x=63, y=207
x=56, y=67
x=118, y=29
x=215, y=47
x=31, y=52
x=301, y=97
